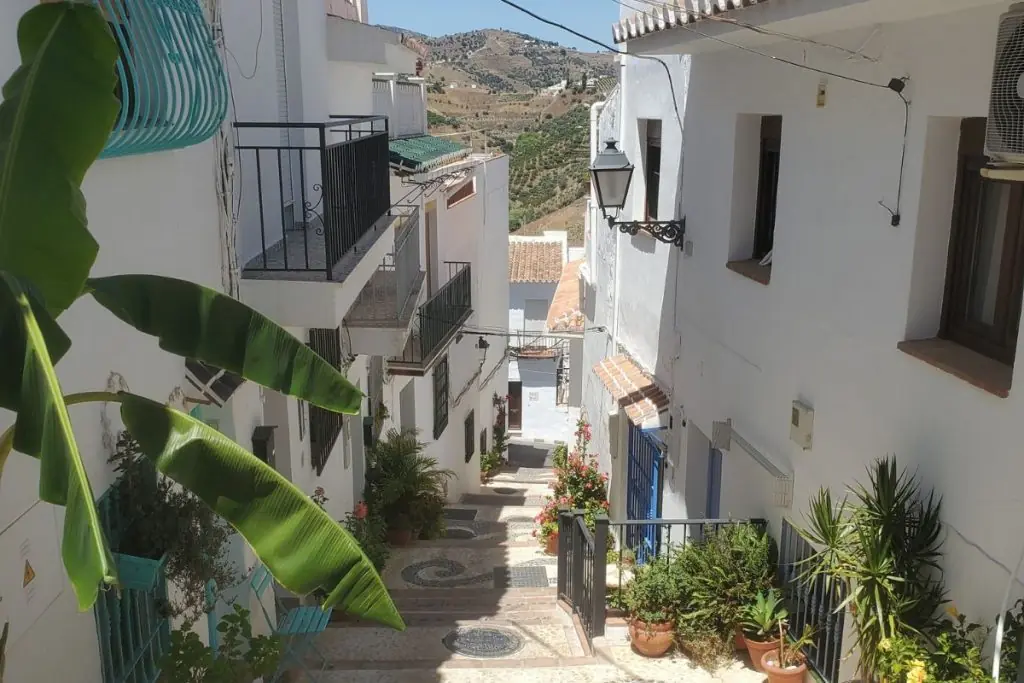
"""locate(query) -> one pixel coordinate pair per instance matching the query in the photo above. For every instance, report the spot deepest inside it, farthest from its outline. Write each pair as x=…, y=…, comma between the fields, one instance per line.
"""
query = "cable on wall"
x=896, y=85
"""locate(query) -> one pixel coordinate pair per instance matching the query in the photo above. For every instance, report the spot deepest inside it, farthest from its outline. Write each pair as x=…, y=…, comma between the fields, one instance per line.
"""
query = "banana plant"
x=58, y=110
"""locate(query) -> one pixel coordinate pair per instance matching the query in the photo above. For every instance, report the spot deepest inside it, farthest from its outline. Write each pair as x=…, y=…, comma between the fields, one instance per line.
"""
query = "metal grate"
x=324, y=425
x=811, y=603
x=1005, y=135
x=170, y=81
x=440, y=397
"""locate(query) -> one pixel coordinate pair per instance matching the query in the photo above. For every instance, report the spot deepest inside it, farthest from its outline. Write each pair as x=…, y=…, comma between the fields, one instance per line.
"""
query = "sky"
x=439, y=17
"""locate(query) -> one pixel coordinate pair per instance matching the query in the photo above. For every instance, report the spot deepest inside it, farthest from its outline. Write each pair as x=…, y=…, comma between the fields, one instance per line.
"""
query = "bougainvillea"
x=578, y=485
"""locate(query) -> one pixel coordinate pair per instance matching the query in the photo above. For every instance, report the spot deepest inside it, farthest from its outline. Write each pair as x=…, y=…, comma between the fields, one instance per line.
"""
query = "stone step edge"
x=433, y=664
x=399, y=593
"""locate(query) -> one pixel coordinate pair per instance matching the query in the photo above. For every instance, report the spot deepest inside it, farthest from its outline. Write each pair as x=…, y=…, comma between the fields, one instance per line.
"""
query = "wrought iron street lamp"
x=612, y=173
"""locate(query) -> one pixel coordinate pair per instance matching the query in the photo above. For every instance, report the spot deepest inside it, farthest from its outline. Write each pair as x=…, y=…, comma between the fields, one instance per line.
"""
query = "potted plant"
x=406, y=487
x=547, y=531
x=651, y=599
x=489, y=462
x=240, y=658
x=786, y=662
x=763, y=619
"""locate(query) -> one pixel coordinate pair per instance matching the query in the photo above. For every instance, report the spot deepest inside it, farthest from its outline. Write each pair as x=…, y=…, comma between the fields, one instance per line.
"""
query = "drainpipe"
x=623, y=98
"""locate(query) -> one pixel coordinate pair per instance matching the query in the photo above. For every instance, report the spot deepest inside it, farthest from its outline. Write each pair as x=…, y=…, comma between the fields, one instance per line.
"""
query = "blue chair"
x=297, y=627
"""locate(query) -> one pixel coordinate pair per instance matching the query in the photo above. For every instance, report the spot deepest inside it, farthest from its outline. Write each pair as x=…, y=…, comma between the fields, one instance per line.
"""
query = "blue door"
x=643, y=491
x=714, y=494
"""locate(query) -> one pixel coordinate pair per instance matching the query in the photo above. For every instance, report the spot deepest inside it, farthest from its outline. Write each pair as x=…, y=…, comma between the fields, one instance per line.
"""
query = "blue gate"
x=643, y=491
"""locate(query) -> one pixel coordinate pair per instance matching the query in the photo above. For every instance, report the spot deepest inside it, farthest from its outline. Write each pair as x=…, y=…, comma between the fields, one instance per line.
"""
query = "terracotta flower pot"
x=756, y=649
x=551, y=545
x=400, y=537
x=651, y=640
x=778, y=674
x=738, y=642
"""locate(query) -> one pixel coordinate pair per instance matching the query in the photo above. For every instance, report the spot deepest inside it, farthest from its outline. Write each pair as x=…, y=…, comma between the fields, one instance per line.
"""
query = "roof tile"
x=672, y=14
x=565, y=314
x=632, y=388
x=534, y=261
x=424, y=152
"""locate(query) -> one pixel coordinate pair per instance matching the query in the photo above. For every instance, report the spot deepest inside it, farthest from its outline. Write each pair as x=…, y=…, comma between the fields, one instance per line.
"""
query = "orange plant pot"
x=757, y=649
x=738, y=641
x=400, y=537
x=778, y=674
x=551, y=545
x=651, y=640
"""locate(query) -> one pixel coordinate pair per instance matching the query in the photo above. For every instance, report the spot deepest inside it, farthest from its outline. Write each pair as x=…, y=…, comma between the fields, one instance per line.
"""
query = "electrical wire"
x=256, y=59
x=895, y=84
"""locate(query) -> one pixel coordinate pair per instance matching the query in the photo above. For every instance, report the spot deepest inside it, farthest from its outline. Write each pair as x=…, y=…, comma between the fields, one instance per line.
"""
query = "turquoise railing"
x=170, y=80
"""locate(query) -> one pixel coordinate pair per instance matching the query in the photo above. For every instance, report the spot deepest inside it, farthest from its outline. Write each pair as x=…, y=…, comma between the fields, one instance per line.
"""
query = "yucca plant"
x=881, y=551
x=57, y=114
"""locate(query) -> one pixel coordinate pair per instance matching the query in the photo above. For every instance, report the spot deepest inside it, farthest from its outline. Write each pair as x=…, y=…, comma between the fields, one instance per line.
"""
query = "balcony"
x=380, y=320
x=436, y=323
x=404, y=102
x=313, y=208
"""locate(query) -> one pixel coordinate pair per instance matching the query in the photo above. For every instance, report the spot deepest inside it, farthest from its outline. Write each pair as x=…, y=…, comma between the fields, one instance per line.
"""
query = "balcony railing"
x=388, y=298
x=439, y=319
x=310, y=193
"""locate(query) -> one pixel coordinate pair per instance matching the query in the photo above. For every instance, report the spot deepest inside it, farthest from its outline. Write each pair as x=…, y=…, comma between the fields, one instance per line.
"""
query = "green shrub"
x=653, y=596
x=560, y=456
x=370, y=532
x=241, y=657
x=405, y=487
x=706, y=647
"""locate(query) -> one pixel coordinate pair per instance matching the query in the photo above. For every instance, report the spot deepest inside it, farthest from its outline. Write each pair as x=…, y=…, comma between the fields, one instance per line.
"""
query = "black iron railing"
x=582, y=569
x=438, y=320
x=310, y=191
x=811, y=603
x=390, y=294
x=324, y=425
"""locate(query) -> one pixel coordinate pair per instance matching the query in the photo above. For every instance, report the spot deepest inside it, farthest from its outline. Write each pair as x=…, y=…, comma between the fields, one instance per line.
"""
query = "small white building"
x=850, y=285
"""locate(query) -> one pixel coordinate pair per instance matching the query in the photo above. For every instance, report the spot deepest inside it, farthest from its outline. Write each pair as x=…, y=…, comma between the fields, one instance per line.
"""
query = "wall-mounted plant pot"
x=757, y=649
x=651, y=640
x=551, y=545
x=779, y=674
x=400, y=537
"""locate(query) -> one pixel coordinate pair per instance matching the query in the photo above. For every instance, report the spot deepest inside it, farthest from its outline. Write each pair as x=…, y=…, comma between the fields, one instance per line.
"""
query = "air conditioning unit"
x=1004, y=137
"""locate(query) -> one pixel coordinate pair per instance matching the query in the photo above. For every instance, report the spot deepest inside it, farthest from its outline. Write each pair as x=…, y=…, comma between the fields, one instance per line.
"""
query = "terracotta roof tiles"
x=674, y=13
x=565, y=313
x=534, y=261
x=631, y=388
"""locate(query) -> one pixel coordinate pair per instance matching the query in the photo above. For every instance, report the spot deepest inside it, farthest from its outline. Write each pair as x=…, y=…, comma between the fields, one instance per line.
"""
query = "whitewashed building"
x=849, y=287
x=264, y=196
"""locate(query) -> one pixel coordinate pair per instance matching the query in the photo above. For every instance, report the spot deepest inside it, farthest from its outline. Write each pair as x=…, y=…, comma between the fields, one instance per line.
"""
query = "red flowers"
x=361, y=510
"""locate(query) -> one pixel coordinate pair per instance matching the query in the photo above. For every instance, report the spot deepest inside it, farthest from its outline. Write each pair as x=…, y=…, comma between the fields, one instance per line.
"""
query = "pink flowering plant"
x=579, y=485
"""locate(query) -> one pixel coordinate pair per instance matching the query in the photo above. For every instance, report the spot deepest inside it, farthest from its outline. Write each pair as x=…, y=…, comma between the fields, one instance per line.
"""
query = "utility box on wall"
x=801, y=425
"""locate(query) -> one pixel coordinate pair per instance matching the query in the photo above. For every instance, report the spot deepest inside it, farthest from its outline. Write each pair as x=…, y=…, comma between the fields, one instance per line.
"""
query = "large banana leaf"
x=12, y=344
x=301, y=545
x=197, y=322
x=43, y=429
x=57, y=113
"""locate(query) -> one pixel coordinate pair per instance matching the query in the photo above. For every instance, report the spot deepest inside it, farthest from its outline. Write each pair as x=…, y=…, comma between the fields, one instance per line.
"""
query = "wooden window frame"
x=470, y=435
x=998, y=341
x=769, y=164
x=441, y=383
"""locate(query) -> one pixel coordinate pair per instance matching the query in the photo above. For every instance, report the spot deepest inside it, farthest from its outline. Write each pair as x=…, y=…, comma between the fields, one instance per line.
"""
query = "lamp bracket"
x=670, y=232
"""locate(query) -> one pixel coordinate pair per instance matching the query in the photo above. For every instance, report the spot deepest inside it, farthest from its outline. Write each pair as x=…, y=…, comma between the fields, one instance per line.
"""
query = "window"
x=440, y=397
x=535, y=315
x=483, y=440
x=324, y=425
x=469, y=435
x=985, y=271
x=462, y=194
x=767, y=186
x=302, y=420
x=652, y=167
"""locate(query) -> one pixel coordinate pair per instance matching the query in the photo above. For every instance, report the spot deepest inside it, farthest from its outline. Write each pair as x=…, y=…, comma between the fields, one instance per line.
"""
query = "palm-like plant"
x=401, y=477
x=57, y=114
x=880, y=551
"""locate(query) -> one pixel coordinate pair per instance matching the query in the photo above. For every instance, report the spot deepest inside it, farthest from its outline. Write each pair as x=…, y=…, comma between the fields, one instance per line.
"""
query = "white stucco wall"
x=845, y=288
x=519, y=294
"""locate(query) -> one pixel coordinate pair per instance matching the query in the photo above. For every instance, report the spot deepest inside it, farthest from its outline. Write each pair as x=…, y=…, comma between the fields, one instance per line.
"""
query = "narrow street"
x=481, y=605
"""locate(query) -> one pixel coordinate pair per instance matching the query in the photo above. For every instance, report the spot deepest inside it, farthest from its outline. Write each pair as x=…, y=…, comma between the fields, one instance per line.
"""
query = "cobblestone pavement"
x=480, y=606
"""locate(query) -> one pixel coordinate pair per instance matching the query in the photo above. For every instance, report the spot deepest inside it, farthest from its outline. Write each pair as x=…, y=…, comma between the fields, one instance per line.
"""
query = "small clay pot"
x=778, y=674
x=651, y=640
x=551, y=545
x=400, y=537
x=738, y=642
x=756, y=649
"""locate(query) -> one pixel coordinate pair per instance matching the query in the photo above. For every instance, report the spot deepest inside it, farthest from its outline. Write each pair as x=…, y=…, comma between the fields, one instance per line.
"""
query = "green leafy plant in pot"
x=764, y=619
x=652, y=599
x=404, y=486
x=786, y=662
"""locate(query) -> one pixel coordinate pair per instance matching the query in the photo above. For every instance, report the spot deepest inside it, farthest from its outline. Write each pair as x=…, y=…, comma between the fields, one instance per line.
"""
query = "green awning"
x=424, y=152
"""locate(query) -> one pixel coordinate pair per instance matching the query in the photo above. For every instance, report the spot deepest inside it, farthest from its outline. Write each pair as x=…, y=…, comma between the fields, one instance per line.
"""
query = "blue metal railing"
x=170, y=81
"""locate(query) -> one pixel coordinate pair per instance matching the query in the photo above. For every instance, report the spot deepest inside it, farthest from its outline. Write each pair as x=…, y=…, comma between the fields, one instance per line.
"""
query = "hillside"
x=526, y=96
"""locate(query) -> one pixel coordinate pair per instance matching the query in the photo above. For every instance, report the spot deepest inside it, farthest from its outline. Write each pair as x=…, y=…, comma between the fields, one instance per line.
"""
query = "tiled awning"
x=672, y=14
x=631, y=388
x=424, y=152
x=565, y=314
